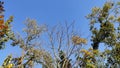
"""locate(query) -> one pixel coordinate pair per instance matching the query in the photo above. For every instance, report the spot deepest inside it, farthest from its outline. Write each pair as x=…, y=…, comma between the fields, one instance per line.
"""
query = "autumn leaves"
x=5, y=29
x=1, y=19
x=3, y=26
x=77, y=40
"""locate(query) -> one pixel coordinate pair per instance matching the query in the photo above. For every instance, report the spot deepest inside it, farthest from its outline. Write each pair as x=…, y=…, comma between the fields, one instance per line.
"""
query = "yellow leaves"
x=107, y=6
x=7, y=62
x=95, y=10
x=7, y=23
x=87, y=53
x=77, y=40
x=90, y=52
x=88, y=60
x=91, y=66
x=84, y=41
x=118, y=19
x=9, y=20
x=88, y=56
x=9, y=66
x=84, y=51
x=95, y=52
x=111, y=17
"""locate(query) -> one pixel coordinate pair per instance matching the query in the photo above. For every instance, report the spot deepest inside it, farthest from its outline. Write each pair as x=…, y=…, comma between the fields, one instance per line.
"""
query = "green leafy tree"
x=106, y=18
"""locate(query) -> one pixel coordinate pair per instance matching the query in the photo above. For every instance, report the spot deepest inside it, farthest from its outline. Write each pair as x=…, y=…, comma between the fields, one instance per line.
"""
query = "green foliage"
x=106, y=32
x=106, y=18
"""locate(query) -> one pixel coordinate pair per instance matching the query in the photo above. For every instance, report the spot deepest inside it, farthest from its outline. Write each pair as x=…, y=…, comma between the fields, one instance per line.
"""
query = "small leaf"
x=118, y=3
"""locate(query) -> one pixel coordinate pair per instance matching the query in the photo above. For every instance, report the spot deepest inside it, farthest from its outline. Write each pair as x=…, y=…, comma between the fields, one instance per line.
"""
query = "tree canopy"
x=61, y=46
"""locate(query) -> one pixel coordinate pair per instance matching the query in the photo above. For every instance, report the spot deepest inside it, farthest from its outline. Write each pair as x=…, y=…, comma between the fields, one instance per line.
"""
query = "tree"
x=53, y=57
x=65, y=43
x=5, y=29
x=108, y=33
x=61, y=46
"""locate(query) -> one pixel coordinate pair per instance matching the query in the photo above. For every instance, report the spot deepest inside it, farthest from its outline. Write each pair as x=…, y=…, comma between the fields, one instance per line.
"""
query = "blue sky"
x=48, y=12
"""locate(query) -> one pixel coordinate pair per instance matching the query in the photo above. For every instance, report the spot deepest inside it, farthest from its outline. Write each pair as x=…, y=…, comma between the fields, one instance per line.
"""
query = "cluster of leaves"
x=31, y=48
x=106, y=18
x=64, y=43
x=7, y=62
x=5, y=29
x=106, y=31
x=77, y=40
x=87, y=60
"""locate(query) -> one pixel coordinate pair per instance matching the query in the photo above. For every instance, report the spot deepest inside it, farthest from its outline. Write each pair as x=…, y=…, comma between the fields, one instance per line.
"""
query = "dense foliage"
x=63, y=47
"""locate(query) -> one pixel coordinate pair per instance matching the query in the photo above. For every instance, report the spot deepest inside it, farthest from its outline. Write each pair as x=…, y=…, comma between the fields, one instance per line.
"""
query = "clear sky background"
x=48, y=12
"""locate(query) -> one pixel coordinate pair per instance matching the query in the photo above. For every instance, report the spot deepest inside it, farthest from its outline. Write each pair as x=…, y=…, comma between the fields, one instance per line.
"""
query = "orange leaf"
x=1, y=16
x=1, y=33
x=1, y=22
x=6, y=27
x=2, y=27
